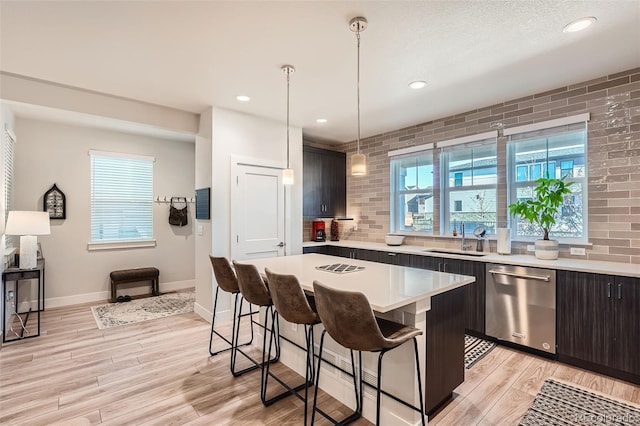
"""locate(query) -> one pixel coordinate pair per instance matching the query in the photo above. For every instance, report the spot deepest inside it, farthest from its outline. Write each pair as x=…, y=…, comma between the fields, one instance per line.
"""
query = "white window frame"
x=467, y=142
x=394, y=193
x=548, y=128
x=122, y=243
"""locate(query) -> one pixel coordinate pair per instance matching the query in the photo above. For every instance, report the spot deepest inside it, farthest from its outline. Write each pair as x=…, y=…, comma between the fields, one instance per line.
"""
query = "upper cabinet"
x=324, y=182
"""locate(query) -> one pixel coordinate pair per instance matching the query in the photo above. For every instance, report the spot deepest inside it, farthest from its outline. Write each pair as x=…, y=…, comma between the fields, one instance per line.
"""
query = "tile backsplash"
x=613, y=164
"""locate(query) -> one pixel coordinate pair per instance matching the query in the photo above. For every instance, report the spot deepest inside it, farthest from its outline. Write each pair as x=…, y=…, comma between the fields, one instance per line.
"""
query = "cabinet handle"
x=391, y=254
x=440, y=267
x=609, y=290
x=619, y=291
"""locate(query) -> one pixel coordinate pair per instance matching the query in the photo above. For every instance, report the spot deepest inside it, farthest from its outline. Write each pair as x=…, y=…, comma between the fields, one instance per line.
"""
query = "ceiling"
x=192, y=55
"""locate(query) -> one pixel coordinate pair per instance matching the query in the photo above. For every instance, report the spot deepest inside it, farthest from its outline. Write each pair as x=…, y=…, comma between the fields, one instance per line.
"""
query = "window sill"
x=491, y=237
x=120, y=245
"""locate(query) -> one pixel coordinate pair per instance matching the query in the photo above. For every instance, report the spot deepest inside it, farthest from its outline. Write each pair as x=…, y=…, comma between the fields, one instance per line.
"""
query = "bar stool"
x=294, y=306
x=349, y=320
x=255, y=291
x=228, y=282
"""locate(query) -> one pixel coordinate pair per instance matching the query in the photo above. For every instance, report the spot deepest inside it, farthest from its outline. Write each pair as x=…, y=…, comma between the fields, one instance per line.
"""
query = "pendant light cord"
x=358, y=85
x=288, y=73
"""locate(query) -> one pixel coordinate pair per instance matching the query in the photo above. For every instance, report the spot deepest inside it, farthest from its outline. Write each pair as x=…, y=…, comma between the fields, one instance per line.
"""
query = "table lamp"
x=28, y=225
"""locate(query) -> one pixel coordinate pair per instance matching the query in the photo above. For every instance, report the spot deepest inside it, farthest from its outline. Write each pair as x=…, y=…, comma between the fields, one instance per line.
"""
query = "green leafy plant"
x=542, y=210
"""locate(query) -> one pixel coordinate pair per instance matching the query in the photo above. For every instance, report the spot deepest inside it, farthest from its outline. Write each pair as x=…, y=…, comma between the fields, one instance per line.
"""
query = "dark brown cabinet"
x=599, y=322
x=324, y=183
x=475, y=293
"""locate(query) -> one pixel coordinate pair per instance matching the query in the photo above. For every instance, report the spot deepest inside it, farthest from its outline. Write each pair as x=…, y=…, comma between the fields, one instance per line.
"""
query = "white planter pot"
x=547, y=249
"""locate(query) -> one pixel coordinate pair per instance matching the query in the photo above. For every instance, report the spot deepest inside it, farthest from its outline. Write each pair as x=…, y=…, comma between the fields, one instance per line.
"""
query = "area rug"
x=475, y=349
x=138, y=310
x=561, y=403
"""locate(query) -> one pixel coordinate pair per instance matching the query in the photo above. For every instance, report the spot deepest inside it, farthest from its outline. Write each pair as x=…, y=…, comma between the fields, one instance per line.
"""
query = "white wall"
x=48, y=153
x=250, y=137
x=36, y=92
x=203, y=272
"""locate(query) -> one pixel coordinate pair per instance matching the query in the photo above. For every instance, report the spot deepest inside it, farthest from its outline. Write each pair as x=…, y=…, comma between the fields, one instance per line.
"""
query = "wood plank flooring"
x=159, y=372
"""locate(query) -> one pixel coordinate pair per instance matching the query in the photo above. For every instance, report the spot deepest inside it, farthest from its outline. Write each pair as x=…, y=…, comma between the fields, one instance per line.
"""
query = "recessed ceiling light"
x=417, y=84
x=579, y=24
x=243, y=98
x=321, y=120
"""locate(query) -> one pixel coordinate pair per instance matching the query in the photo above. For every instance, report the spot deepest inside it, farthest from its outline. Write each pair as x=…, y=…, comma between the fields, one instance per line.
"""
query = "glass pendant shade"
x=287, y=176
x=358, y=165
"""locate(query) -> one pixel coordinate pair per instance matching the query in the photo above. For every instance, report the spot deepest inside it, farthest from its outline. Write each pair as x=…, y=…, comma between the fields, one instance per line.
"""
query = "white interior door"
x=257, y=212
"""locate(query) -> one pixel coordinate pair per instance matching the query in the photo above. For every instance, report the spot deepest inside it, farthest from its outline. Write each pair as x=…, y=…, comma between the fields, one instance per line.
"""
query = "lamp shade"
x=287, y=176
x=27, y=223
x=358, y=165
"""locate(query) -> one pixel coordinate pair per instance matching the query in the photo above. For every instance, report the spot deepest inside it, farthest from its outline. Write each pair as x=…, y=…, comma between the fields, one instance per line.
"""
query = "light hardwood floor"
x=160, y=373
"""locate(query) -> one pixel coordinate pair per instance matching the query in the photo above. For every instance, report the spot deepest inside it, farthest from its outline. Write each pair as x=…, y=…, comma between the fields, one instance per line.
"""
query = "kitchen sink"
x=455, y=251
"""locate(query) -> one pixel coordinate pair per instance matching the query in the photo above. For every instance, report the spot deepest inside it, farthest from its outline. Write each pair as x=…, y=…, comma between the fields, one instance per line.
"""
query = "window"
x=457, y=179
x=121, y=198
x=468, y=185
x=560, y=151
x=9, y=149
x=412, y=192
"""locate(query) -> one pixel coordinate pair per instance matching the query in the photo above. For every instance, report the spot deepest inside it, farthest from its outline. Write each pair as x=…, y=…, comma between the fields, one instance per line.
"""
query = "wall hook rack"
x=167, y=200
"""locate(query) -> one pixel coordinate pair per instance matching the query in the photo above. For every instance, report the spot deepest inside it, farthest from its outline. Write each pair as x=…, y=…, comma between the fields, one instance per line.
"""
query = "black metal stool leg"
x=274, y=340
x=233, y=328
x=235, y=348
x=379, y=384
x=415, y=347
x=357, y=386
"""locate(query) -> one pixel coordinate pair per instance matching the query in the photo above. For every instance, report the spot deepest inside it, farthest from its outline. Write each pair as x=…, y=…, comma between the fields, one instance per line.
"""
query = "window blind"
x=121, y=197
x=8, y=155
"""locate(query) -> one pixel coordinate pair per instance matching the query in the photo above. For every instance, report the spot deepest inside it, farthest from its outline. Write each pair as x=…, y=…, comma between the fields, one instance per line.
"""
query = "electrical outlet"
x=531, y=248
x=294, y=327
x=578, y=251
x=355, y=226
x=10, y=296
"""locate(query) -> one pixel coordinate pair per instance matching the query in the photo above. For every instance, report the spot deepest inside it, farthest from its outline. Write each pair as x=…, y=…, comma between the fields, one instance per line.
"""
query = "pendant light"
x=358, y=160
x=287, y=174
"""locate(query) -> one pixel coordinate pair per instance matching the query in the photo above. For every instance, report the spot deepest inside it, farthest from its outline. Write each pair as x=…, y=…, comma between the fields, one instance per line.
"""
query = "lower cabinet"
x=599, y=322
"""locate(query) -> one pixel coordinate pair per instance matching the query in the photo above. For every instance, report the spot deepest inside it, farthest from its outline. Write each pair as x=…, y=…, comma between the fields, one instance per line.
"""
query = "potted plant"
x=542, y=210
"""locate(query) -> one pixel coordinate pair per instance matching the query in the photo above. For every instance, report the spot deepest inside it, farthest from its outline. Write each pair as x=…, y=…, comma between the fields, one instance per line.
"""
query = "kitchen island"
x=428, y=300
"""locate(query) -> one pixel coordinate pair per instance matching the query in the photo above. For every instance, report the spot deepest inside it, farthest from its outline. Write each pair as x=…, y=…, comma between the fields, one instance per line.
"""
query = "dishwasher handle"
x=525, y=276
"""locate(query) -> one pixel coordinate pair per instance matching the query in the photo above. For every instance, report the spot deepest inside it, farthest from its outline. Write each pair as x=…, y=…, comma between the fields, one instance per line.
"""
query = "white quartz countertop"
x=387, y=287
x=598, y=267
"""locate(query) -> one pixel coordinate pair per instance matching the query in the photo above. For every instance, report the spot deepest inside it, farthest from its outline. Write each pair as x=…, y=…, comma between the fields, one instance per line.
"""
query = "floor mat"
x=475, y=349
x=138, y=310
x=561, y=403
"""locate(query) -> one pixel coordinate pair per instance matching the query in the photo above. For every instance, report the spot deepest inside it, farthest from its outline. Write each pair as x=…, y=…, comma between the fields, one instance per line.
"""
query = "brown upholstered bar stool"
x=293, y=305
x=255, y=291
x=227, y=281
x=349, y=320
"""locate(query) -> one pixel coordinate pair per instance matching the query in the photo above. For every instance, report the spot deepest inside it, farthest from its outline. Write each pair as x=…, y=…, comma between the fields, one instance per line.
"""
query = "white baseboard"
x=221, y=316
x=100, y=296
x=204, y=313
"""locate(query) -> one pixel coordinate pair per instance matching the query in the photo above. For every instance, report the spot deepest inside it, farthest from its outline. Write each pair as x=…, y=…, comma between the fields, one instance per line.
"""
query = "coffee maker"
x=319, y=233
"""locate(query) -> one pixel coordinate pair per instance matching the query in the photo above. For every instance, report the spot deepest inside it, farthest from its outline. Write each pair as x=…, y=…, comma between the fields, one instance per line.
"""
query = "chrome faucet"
x=463, y=246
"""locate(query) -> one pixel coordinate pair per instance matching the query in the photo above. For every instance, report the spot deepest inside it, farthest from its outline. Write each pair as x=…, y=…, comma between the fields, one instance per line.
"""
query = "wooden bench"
x=132, y=276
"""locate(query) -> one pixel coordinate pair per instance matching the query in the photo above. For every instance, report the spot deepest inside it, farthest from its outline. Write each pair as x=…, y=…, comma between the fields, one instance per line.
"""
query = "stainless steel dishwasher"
x=521, y=306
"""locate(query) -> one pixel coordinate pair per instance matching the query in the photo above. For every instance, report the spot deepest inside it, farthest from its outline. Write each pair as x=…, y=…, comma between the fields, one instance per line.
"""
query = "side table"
x=18, y=276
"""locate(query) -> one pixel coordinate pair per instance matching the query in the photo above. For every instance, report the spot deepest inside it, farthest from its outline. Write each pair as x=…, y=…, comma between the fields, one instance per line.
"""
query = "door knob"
x=281, y=244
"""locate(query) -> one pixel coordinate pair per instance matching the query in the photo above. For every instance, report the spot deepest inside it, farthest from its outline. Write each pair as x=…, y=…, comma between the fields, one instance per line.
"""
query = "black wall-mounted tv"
x=203, y=203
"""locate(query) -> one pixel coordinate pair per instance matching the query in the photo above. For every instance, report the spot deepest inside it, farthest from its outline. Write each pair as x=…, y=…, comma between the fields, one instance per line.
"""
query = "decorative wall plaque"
x=55, y=203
